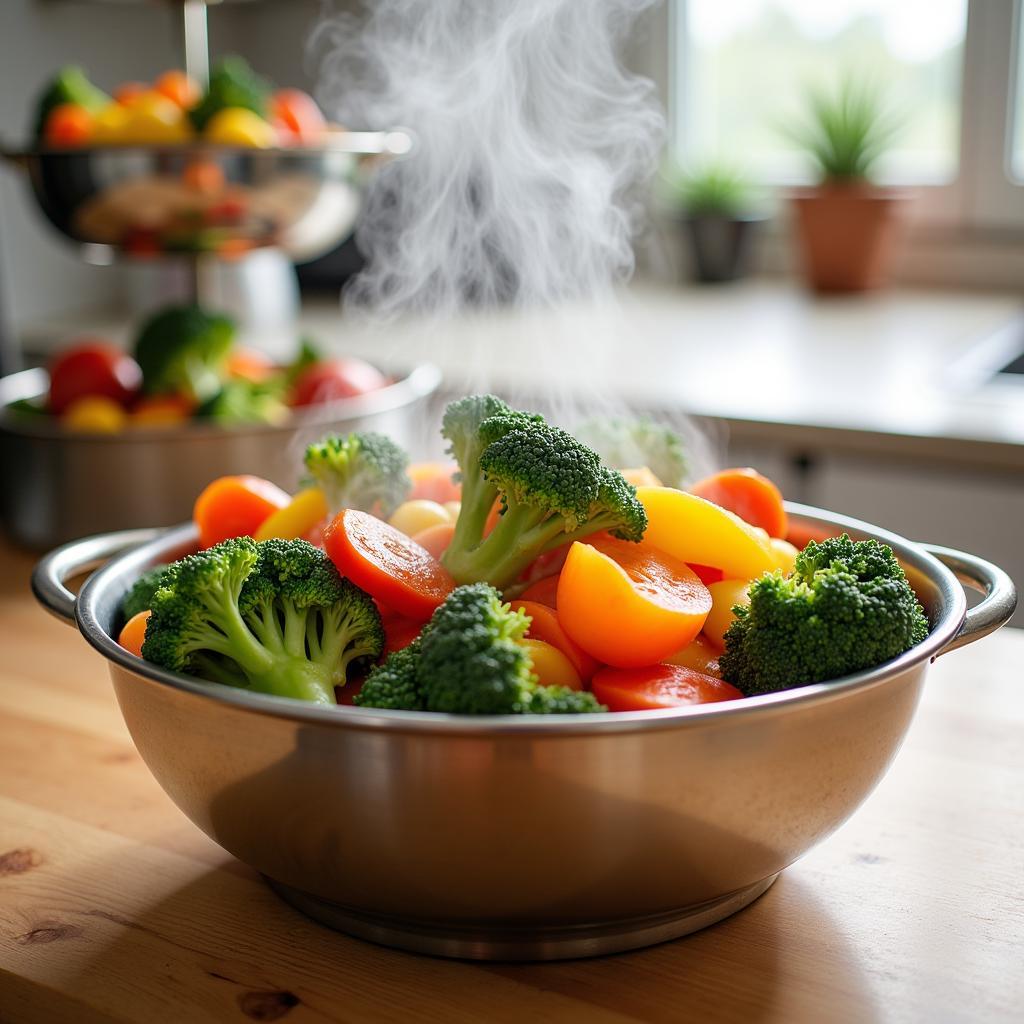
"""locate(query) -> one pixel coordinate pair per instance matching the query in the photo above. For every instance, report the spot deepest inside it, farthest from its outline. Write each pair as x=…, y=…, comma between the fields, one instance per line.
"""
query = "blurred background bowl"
x=56, y=485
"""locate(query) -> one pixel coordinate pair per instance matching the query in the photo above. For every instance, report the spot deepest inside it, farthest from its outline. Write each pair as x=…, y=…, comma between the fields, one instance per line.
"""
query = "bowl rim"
x=407, y=385
x=177, y=539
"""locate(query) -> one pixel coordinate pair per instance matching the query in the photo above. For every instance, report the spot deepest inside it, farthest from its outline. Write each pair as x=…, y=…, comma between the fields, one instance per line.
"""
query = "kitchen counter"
x=773, y=364
x=114, y=907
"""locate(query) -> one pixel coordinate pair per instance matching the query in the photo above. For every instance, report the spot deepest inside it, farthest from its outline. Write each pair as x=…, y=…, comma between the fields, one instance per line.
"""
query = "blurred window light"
x=1017, y=100
x=746, y=67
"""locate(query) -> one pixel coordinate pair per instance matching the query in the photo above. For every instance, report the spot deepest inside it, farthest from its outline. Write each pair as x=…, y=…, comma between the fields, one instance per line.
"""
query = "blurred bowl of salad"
x=107, y=439
x=169, y=168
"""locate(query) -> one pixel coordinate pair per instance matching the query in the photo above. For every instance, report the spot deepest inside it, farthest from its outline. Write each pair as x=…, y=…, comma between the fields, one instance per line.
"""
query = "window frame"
x=985, y=195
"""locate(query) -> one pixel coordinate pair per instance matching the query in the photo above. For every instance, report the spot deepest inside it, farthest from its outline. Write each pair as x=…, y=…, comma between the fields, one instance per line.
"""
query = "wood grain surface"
x=113, y=907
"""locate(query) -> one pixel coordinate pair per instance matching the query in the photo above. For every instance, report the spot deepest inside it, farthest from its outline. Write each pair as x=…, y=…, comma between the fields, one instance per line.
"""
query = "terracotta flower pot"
x=847, y=233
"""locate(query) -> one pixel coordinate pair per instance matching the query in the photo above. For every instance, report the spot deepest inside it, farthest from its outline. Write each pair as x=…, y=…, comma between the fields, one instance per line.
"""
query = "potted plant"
x=846, y=224
x=716, y=204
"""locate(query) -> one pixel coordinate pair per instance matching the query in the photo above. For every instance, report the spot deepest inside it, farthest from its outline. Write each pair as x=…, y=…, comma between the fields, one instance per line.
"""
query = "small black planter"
x=720, y=246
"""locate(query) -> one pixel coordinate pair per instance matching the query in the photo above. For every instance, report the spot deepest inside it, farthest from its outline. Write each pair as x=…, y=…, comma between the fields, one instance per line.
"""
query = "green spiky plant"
x=848, y=128
x=715, y=189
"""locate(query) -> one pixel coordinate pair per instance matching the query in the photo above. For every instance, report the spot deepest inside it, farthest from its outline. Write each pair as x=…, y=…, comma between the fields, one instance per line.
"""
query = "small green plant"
x=847, y=131
x=713, y=190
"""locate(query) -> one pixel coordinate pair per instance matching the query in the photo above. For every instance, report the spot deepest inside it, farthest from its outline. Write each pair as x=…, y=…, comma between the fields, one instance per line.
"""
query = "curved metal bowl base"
x=526, y=943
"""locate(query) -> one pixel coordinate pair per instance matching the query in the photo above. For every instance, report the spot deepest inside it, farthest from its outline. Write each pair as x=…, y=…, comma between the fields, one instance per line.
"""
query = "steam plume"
x=531, y=136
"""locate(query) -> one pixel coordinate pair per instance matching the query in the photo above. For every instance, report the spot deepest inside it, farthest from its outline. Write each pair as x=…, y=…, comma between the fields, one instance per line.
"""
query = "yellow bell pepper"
x=94, y=414
x=236, y=126
x=297, y=518
x=697, y=531
x=150, y=119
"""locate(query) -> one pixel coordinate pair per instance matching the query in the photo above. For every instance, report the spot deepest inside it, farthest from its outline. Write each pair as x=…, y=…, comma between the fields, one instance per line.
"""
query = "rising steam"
x=531, y=140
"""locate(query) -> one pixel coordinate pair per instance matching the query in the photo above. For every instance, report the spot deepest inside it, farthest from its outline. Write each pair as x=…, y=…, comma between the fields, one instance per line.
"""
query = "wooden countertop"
x=114, y=907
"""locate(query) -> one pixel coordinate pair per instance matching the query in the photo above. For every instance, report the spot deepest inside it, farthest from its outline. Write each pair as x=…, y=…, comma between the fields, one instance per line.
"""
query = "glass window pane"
x=1017, y=99
x=748, y=65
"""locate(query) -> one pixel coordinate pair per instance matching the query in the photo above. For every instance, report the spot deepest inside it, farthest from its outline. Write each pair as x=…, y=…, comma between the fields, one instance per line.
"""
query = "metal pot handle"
x=77, y=557
x=1000, y=595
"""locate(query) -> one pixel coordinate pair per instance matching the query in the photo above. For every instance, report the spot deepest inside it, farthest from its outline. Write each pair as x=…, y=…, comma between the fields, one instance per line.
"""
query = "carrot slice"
x=753, y=497
x=629, y=604
x=387, y=564
x=658, y=686
x=544, y=625
x=235, y=506
x=134, y=633
x=544, y=591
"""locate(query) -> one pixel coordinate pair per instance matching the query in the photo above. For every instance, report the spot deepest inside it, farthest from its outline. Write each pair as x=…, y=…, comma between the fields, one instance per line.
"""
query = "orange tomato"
x=235, y=506
x=699, y=655
x=753, y=497
x=433, y=482
x=629, y=604
x=178, y=87
x=652, y=687
x=550, y=665
x=436, y=538
x=544, y=625
x=68, y=125
x=134, y=633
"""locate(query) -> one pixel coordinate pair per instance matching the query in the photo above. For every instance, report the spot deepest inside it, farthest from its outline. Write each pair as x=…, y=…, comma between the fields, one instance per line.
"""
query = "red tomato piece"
x=336, y=378
x=753, y=497
x=658, y=686
x=544, y=591
x=707, y=573
x=93, y=367
x=387, y=564
x=399, y=633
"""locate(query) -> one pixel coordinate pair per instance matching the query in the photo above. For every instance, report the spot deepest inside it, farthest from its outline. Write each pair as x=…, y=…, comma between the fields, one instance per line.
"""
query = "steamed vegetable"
x=274, y=617
x=846, y=606
x=627, y=444
x=659, y=686
x=387, y=564
x=552, y=490
x=695, y=530
x=243, y=401
x=469, y=661
x=182, y=350
x=235, y=506
x=364, y=471
x=629, y=604
x=753, y=497
x=140, y=596
x=92, y=368
x=133, y=633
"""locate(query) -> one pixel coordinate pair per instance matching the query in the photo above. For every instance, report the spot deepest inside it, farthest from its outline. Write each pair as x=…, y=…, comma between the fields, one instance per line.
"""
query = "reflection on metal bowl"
x=520, y=837
x=147, y=201
x=56, y=485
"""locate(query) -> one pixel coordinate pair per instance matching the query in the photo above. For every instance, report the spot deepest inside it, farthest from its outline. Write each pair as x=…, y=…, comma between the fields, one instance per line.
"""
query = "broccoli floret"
x=394, y=685
x=243, y=401
x=553, y=490
x=846, y=606
x=628, y=444
x=273, y=616
x=467, y=661
x=365, y=471
x=140, y=597
x=233, y=83
x=182, y=349
x=69, y=86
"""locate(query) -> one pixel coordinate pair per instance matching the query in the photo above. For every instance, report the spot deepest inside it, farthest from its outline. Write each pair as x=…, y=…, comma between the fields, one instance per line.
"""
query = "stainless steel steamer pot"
x=56, y=485
x=518, y=837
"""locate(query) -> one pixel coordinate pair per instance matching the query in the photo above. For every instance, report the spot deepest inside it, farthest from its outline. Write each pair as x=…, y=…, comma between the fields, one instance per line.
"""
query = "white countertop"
x=765, y=357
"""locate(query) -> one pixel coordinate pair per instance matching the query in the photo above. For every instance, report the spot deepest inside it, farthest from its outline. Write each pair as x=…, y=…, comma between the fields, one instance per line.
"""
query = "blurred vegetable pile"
x=240, y=108
x=186, y=365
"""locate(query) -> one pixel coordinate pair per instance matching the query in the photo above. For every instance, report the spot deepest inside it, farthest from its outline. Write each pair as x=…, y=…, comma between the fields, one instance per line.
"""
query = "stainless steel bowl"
x=56, y=485
x=518, y=837
x=149, y=200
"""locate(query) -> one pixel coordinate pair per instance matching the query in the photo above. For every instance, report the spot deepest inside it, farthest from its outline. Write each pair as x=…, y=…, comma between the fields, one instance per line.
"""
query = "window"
x=946, y=69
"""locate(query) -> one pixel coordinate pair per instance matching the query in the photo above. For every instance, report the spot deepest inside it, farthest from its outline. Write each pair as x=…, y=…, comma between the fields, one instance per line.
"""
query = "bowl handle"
x=77, y=557
x=995, y=608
